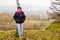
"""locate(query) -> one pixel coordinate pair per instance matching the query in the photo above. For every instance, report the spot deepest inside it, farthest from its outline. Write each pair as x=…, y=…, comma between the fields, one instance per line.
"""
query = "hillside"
x=7, y=22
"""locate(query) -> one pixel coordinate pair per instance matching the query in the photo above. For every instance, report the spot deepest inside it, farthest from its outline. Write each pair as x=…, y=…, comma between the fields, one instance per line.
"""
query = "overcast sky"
x=24, y=2
x=29, y=6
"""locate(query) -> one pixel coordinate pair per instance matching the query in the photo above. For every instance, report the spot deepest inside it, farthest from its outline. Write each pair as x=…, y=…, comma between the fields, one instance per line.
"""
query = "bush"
x=55, y=29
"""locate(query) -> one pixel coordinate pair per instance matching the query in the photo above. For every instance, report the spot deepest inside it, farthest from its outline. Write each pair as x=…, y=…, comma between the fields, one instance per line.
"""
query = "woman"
x=19, y=18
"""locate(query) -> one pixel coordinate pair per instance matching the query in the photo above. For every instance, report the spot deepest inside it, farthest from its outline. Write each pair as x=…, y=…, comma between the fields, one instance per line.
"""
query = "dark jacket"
x=19, y=17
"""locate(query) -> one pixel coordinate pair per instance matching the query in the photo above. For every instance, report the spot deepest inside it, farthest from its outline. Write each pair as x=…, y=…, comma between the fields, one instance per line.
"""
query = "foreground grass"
x=28, y=35
x=51, y=33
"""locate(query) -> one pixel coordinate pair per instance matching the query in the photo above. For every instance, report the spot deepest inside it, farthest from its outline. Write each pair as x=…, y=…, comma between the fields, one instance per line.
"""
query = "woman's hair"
x=18, y=7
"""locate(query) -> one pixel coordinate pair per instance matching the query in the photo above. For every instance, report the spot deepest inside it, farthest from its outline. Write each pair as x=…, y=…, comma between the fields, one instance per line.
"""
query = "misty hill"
x=7, y=22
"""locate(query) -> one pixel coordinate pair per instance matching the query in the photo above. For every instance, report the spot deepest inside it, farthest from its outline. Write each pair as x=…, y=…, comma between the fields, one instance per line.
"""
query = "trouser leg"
x=21, y=25
x=20, y=29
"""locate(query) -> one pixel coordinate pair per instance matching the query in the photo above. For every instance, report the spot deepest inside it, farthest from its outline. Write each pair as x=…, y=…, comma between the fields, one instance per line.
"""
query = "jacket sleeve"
x=24, y=17
x=15, y=16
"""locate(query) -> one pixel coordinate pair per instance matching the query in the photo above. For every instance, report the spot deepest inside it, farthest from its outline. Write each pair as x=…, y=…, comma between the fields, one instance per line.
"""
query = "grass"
x=28, y=35
x=52, y=31
x=47, y=23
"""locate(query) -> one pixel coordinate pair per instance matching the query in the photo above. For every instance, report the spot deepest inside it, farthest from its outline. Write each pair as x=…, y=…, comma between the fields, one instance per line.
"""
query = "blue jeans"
x=20, y=28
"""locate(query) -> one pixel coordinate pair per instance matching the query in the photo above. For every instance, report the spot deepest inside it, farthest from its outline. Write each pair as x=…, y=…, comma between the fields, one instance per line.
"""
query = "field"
x=30, y=35
x=31, y=22
x=34, y=29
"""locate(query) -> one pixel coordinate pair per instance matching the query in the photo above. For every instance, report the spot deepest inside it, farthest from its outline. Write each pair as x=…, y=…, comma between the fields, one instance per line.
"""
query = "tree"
x=17, y=2
x=54, y=10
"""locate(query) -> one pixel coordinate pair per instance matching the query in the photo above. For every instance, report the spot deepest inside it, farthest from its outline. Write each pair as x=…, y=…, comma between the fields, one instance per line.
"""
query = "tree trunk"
x=17, y=2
